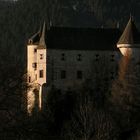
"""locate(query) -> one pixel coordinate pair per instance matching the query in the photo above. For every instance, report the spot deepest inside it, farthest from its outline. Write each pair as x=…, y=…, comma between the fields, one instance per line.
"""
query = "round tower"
x=129, y=42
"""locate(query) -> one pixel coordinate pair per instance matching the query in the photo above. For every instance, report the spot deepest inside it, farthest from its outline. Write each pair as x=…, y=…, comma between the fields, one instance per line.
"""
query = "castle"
x=63, y=56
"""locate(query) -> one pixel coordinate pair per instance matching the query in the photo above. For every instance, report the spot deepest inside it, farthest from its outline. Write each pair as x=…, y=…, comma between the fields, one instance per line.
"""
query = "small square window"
x=41, y=73
x=35, y=50
x=79, y=57
x=79, y=74
x=63, y=56
x=63, y=74
x=41, y=56
x=97, y=57
x=112, y=58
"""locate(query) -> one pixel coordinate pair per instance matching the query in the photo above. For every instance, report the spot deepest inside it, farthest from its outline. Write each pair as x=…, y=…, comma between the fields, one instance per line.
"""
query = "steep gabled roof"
x=42, y=44
x=70, y=38
x=39, y=38
x=130, y=35
x=34, y=39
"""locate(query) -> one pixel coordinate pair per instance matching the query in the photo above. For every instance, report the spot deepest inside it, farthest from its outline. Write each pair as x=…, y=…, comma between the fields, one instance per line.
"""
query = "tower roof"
x=42, y=44
x=130, y=35
x=35, y=38
x=72, y=38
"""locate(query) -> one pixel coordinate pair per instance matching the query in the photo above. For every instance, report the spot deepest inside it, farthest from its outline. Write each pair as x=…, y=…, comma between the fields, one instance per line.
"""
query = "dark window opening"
x=63, y=74
x=41, y=73
x=36, y=77
x=63, y=56
x=79, y=57
x=35, y=50
x=41, y=56
x=79, y=75
x=34, y=65
x=112, y=57
x=97, y=57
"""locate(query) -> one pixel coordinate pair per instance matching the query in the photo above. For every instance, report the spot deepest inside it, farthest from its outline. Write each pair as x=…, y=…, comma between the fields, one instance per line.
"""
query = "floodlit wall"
x=41, y=66
x=31, y=63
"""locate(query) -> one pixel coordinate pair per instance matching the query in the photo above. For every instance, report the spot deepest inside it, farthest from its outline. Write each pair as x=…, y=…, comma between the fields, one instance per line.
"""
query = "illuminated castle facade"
x=63, y=56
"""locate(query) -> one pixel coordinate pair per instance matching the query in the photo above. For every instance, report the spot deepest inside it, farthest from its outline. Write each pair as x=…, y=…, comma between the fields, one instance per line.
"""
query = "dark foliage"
x=19, y=20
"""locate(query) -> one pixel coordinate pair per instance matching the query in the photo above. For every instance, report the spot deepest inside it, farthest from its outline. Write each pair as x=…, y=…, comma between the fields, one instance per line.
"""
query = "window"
x=36, y=77
x=97, y=57
x=34, y=65
x=41, y=56
x=63, y=74
x=112, y=57
x=41, y=73
x=63, y=56
x=79, y=74
x=79, y=57
x=35, y=50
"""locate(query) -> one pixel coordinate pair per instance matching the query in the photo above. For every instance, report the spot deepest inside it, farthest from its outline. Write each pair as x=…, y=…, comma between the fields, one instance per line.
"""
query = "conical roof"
x=130, y=35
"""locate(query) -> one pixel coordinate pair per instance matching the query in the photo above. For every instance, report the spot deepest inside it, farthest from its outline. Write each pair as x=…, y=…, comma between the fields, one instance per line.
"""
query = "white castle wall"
x=31, y=59
x=41, y=65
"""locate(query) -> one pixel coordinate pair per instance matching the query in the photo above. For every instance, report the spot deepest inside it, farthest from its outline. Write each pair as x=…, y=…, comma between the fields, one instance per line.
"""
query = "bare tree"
x=12, y=93
x=89, y=121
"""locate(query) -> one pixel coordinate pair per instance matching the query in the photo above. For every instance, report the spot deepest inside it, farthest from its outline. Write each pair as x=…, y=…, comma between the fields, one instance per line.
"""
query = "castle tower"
x=36, y=58
x=36, y=69
x=129, y=42
x=33, y=43
x=41, y=58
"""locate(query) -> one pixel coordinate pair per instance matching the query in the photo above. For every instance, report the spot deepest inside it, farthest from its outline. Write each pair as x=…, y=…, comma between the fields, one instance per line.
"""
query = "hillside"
x=19, y=20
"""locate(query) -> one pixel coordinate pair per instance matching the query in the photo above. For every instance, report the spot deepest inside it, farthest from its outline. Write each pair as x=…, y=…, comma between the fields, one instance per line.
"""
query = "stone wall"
x=77, y=65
